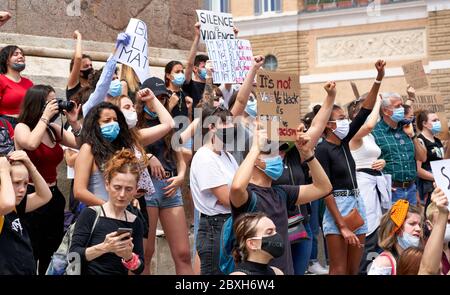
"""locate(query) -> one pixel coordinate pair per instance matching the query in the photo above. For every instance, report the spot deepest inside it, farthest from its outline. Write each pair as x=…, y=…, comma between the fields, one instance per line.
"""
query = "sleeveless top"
x=435, y=151
x=367, y=153
x=46, y=160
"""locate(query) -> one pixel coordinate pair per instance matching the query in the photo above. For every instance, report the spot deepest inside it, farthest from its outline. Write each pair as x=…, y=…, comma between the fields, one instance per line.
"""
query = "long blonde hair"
x=130, y=77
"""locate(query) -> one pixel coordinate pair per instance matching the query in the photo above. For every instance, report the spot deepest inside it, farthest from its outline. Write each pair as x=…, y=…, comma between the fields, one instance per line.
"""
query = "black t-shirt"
x=181, y=108
x=109, y=263
x=158, y=149
x=71, y=92
x=254, y=268
x=333, y=160
x=16, y=253
x=195, y=90
x=435, y=151
x=275, y=207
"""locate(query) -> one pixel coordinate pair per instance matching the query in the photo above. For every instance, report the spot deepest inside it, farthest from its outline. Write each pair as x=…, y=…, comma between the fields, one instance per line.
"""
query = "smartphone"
x=122, y=230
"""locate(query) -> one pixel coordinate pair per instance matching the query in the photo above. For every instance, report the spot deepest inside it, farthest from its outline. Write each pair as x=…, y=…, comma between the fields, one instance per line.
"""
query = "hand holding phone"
x=122, y=230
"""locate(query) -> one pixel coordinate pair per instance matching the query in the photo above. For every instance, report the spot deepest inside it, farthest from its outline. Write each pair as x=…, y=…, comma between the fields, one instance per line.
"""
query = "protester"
x=103, y=250
x=400, y=228
x=257, y=244
x=41, y=138
x=12, y=85
x=80, y=68
x=429, y=125
x=409, y=261
x=16, y=252
x=174, y=80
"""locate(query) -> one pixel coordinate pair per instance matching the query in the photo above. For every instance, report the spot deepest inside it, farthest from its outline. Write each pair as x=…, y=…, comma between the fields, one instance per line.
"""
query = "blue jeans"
x=315, y=227
x=301, y=252
x=408, y=194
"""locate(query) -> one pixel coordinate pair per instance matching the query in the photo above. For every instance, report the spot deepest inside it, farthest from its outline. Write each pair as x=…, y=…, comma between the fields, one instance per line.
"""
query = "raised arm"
x=27, y=139
x=371, y=98
x=42, y=193
x=152, y=134
x=77, y=57
x=7, y=194
x=208, y=93
x=321, y=185
x=320, y=120
x=247, y=86
x=4, y=17
x=370, y=123
x=190, y=62
x=411, y=95
x=431, y=258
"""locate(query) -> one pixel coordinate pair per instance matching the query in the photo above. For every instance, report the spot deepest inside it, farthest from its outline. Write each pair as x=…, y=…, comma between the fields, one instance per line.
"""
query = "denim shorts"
x=345, y=205
x=159, y=200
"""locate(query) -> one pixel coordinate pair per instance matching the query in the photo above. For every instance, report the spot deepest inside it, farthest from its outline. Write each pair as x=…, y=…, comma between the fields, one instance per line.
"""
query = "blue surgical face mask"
x=152, y=115
x=406, y=240
x=398, y=115
x=250, y=108
x=202, y=74
x=110, y=131
x=436, y=127
x=178, y=79
x=115, y=88
x=274, y=167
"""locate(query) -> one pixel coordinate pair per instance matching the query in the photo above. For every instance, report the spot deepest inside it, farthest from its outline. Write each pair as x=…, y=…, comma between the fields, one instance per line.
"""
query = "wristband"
x=151, y=157
x=133, y=263
x=377, y=82
x=77, y=133
x=309, y=159
x=44, y=120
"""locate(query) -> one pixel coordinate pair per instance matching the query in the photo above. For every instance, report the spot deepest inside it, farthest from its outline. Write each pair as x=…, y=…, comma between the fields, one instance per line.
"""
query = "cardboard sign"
x=415, y=75
x=135, y=54
x=441, y=174
x=215, y=26
x=231, y=59
x=278, y=97
x=433, y=102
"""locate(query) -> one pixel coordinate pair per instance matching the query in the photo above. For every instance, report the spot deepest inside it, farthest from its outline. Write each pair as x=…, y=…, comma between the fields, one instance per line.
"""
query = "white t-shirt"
x=70, y=170
x=210, y=170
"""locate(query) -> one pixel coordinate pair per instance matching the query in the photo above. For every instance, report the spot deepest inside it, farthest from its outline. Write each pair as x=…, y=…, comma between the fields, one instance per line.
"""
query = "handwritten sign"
x=415, y=75
x=278, y=97
x=432, y=101
x=231, y=59
x=215, y=26
x=441, y=174
x=136, y=53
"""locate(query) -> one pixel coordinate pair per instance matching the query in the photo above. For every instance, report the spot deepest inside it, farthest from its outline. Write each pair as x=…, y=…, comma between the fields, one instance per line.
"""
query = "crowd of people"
x=360, y=176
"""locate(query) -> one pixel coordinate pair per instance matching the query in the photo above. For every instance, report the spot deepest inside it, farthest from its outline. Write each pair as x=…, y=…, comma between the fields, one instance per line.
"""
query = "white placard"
x=231, y=59
x=215, y=26
x=135, y=54
x=441, y=173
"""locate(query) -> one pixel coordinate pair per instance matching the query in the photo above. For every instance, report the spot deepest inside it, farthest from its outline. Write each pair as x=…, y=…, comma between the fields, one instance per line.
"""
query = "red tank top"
x=12, y=94
x=46, y=160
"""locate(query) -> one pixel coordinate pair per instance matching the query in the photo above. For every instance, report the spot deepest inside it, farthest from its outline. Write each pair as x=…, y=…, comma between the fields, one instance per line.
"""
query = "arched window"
x=270, y=63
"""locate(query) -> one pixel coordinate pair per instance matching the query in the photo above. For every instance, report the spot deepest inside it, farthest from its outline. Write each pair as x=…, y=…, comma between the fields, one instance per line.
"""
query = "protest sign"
x=432, y=101
x=215, y=26
x=415, y=75
x=231, y=59
x=136, y=53
x=278, y=97
x=441, y=174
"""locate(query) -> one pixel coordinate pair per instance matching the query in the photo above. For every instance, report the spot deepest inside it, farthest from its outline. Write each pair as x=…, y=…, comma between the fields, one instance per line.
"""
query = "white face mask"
x=407, y=240
x=342, y=128
x=130, y=117
x=447, y=234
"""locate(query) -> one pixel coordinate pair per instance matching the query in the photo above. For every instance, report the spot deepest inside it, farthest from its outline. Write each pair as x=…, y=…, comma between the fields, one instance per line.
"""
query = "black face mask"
x=226, y=135
x=273, y=245
x=85, y=73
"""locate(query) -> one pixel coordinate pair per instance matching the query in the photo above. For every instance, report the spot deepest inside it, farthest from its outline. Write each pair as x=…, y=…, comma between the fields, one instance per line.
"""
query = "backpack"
x=63, y=262
x=228, y=240
x=6, y=142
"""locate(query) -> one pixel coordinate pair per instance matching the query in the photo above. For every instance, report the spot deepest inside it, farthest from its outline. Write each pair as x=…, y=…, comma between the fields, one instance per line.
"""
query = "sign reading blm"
x=135, y=54
x=215, y=26
x=278, y=97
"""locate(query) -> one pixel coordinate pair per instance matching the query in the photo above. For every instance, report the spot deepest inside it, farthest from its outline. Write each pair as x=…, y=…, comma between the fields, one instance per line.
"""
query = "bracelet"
x=377, y=82
x=133, y=263
x=310, y=159
x=77, y=133
x=44, y=120
x=151, y=157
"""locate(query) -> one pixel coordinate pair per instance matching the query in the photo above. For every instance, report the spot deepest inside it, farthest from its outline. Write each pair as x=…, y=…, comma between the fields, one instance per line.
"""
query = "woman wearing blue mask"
x=345, y=245
x=252, y=184
x=400, y=229
x=429, y=126
x=174, y=80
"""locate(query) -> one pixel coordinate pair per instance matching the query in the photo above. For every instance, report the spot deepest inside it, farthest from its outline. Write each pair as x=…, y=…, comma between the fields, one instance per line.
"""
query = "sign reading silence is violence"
x=278, y=97
x=215, y=26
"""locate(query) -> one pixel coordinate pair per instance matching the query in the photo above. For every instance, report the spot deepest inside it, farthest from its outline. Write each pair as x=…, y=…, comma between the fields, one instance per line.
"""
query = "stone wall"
x=170, y=22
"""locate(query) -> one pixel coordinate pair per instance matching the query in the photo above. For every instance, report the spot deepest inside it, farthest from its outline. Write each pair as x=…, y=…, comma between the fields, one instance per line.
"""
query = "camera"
x=65, y=105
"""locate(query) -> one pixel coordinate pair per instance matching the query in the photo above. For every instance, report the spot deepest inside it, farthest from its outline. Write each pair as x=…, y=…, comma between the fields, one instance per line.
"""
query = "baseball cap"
x=156, y=85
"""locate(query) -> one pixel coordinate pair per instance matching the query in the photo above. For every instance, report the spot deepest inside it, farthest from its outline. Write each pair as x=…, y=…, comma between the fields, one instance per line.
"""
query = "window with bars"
x=265, y=6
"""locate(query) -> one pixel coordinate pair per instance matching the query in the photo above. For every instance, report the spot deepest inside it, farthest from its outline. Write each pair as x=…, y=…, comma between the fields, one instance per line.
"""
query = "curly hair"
x=92, y=134
x=244, y=228
x=168, y=69
x=123, y=161
x=5, y=55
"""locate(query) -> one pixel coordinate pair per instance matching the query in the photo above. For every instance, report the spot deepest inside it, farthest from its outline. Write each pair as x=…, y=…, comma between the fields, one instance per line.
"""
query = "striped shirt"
x=397, y=149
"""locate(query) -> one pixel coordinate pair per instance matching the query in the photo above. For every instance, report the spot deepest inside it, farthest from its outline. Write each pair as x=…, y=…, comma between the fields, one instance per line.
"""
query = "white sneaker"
x=316, y=268
x=159, y=233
